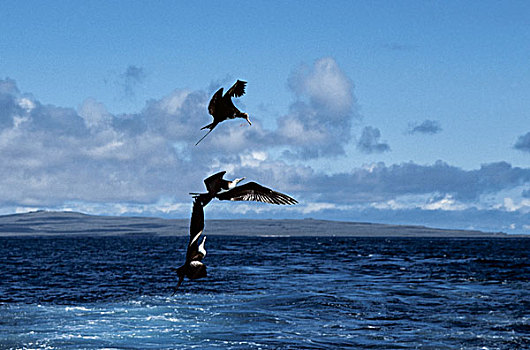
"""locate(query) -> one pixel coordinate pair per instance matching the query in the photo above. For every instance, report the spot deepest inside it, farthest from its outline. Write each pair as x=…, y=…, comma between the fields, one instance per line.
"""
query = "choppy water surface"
x=266, y=293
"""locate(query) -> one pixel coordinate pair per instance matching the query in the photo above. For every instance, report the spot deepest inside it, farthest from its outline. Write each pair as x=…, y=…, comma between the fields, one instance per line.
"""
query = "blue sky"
x=402, y=112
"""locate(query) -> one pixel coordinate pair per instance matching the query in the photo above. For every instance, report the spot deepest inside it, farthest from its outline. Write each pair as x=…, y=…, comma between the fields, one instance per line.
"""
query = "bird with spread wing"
x=221, y=189
x=224, y=190
x=222, y=108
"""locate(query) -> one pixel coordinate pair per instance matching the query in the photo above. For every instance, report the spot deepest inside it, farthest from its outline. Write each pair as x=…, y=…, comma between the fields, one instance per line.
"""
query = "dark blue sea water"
x=266, y=293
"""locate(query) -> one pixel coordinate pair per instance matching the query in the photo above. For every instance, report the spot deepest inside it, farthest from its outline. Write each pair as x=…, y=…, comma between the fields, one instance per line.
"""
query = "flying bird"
x=215, y=184
x=253, y=191
x=193, y=267
x=223, y=189
x=222, y=108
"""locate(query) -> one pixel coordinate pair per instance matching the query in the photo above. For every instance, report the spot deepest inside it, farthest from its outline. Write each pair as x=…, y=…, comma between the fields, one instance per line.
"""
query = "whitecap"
x=76, y=308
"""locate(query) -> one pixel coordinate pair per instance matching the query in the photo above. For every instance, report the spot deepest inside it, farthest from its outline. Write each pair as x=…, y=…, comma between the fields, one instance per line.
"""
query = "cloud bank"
x=145, y=163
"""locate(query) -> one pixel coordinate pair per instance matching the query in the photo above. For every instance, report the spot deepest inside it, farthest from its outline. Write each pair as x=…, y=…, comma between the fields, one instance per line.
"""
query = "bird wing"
x=238, y=89
x=253, y=191
x=196, y=228
x=213, y=182
x=214, y=101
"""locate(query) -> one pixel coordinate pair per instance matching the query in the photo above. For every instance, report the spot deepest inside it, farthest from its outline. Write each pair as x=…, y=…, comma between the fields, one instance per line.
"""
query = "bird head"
x=234, y=182
x=245, y=116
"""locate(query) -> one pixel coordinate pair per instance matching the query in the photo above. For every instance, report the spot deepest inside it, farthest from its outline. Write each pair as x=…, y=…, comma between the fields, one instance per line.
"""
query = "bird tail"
x=202, y=138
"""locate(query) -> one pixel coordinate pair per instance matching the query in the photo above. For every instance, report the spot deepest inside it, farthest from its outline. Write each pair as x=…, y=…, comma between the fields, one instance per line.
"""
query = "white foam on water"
x=77, y=308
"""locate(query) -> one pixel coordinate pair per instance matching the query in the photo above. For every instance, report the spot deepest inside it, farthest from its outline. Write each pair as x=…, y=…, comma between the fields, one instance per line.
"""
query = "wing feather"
x=214, y=101
x=213, y=183
x=238, y=89
x=253, y=191
x=196, y=228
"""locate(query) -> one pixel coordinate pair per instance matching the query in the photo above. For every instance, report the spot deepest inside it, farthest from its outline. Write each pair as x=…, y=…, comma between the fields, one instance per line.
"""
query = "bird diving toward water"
x=222, y=108
x=221, y=189
x=193, y=267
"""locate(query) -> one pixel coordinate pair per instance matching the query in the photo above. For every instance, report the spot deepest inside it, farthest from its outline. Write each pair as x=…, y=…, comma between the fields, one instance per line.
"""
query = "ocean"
x=265, y=293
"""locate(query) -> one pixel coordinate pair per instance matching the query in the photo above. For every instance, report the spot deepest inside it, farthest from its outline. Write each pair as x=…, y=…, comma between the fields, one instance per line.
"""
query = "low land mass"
x=48, y=223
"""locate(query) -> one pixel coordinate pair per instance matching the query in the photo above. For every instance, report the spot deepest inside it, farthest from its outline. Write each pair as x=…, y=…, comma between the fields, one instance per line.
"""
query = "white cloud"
x=253, y=159
x=173, y=102
x=326, y=85
x=295, y=130
x=317, y=207
x=109, y=150
x=26, y=104
x=511, y=204
x=320, y=120
x=94, y=114
x=391, y=204
x=445, y=203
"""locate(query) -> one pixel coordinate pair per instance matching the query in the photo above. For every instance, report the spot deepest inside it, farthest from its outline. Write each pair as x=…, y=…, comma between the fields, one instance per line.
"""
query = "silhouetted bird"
x=228, y=190
x=193, y=268
x=222, y=108
x=215, y=184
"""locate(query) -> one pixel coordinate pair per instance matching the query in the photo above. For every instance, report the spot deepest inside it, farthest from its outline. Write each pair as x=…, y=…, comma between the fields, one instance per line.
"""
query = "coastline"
x=49, y=223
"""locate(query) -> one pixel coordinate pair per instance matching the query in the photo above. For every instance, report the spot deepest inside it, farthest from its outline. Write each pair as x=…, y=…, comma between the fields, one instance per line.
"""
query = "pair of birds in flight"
x=221, y=108
x=222, y=189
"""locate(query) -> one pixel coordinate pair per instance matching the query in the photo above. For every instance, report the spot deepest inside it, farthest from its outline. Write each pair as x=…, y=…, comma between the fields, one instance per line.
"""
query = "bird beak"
x=248, y=120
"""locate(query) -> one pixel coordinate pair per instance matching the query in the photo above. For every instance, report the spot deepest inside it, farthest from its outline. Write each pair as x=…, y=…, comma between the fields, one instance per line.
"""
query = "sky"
x=410, y=112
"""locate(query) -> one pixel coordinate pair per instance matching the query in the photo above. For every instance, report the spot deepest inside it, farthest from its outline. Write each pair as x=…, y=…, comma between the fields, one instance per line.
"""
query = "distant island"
x=50, y=223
